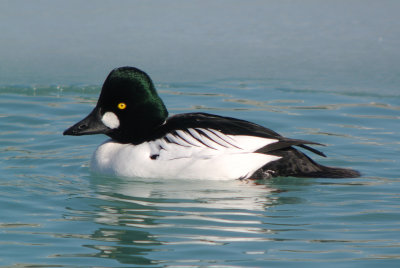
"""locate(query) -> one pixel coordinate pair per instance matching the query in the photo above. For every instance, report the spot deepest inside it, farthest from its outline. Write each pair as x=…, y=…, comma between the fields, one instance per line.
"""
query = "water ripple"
x=55, y=213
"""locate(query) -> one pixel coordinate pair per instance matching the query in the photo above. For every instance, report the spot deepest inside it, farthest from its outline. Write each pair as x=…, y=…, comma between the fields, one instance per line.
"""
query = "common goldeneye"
x=145, y=142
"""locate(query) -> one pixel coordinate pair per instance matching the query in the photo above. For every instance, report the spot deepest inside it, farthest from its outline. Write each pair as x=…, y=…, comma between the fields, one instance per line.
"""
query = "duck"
x=145, y=142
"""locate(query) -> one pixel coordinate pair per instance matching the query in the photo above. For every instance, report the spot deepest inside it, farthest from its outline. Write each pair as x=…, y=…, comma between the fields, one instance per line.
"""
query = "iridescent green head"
x=128, y=109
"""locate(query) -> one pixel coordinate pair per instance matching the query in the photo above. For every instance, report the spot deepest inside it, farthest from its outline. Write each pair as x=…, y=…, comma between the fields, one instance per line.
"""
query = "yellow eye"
x=121, y=105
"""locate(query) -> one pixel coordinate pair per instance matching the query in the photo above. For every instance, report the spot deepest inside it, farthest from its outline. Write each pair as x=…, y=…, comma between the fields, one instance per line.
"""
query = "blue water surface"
x=325, y=71
x=55, y=213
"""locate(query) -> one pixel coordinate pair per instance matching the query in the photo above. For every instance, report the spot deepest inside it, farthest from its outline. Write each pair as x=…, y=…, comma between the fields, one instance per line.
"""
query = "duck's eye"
x=121, y=105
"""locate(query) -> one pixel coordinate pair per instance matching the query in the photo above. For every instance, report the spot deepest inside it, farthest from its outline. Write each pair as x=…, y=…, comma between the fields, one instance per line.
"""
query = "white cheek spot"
x=110, y=120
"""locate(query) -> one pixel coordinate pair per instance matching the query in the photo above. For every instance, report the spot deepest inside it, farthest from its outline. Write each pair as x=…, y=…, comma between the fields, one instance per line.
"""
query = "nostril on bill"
x=83, y=126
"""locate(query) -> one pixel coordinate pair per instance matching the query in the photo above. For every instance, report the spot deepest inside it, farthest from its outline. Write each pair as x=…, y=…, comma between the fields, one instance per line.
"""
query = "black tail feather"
x=333, y=172
x=296, y=164
x=315, y=151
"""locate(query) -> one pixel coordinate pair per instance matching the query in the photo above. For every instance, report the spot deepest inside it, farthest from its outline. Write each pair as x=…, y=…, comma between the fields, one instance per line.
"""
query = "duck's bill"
x=89, y=125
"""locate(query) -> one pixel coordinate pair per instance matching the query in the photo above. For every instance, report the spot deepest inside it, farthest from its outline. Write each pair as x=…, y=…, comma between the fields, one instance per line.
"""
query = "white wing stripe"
x=221, y=135
x=225, y=138
x=208, y=134
x=208, y=141
x=188, y=138
x=173, y=139
x=203, y=139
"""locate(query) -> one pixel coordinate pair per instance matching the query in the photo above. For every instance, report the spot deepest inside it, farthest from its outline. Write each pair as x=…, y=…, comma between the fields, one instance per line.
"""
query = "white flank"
x=191, y=154
x=110, y=120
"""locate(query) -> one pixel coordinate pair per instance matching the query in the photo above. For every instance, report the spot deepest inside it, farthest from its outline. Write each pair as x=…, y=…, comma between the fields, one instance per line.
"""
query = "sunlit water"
x=54, y=213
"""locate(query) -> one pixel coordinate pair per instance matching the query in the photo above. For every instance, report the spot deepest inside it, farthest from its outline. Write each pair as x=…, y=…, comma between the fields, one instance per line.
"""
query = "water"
x=325, y=71
x=55, y=213
x=349, y=42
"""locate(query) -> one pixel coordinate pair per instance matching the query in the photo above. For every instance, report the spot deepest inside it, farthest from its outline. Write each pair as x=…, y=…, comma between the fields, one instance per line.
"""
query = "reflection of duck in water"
x=147, y=143
x=139, y=218
x=169, y=194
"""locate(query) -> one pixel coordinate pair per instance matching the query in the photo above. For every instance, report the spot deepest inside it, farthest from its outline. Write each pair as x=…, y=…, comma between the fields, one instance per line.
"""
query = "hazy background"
x=325, y=71
x=334, y=43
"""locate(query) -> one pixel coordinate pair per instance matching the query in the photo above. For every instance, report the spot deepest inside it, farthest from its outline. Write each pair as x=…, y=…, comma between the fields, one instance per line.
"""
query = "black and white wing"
x=218, y=132
x=245, y=148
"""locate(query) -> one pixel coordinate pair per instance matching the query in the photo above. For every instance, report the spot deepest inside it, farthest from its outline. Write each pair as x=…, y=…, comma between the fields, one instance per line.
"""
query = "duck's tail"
x=296, y=164
x=333, y=172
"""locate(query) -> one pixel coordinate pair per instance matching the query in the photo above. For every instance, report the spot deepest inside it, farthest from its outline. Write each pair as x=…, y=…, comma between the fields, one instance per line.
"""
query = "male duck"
x=145, y=142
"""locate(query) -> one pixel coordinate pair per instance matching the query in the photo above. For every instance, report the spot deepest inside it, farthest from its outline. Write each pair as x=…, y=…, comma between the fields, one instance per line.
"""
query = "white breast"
x=192, y=154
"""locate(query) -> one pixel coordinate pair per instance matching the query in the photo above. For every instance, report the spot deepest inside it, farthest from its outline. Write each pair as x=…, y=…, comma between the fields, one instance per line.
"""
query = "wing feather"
x=204, y=140
x=171, y=138
x=213, y=137
x=185, y=136
x=229, y=140
x=215, y=132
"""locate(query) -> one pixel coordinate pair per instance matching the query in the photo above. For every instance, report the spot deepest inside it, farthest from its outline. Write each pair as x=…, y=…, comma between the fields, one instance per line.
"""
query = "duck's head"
x=128, y=109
